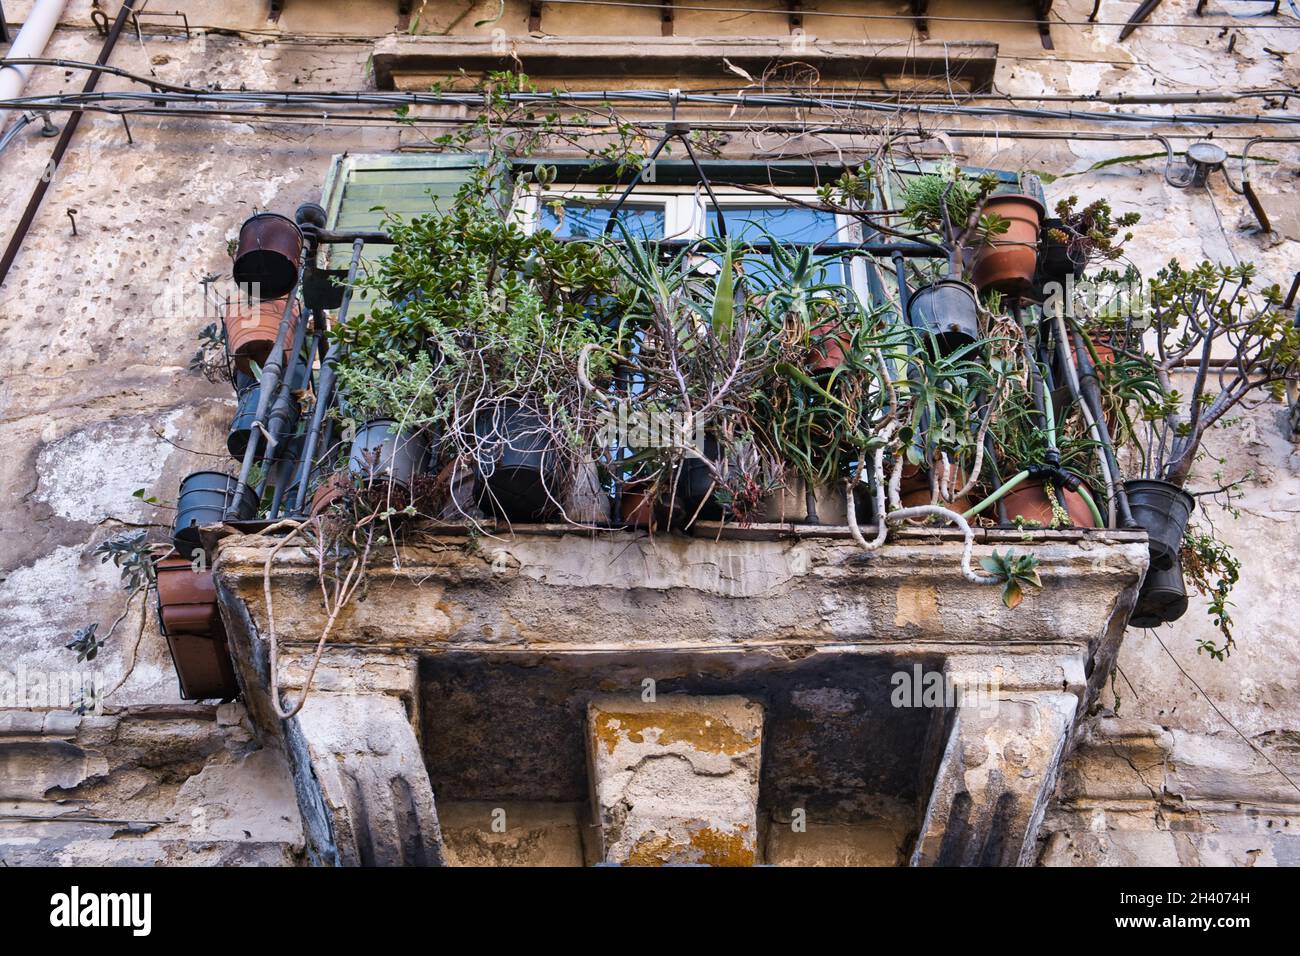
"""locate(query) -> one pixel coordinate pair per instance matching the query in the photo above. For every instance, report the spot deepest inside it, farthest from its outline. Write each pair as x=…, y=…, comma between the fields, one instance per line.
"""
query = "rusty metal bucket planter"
x=187, y=599
x=203, y=665
x=269, y=254
x=190, y=623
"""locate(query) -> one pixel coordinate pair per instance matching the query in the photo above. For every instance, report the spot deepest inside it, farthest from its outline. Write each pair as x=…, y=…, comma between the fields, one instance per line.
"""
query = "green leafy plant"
x=1211, y=569
x=1092, y=233
x=1017, y=572
x=948, y=203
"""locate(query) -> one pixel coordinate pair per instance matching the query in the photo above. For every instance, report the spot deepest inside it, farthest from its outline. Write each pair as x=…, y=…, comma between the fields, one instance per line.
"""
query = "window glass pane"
x=789, y=225
x=586, y=220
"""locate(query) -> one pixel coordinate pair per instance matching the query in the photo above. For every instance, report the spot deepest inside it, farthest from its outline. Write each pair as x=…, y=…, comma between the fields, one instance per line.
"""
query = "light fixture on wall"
x=1203, y=158
x=1200, y=160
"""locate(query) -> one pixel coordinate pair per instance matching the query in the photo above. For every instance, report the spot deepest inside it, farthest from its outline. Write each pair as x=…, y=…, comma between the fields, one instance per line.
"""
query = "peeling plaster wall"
x=96, y=400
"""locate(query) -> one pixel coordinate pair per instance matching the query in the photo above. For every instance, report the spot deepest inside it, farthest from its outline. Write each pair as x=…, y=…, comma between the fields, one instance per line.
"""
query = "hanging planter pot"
x=269, y=254
x=383, y=451
x=948, y=310
x=516, y=463
x=1164, y=510
x=1028, y=501
x=251, y=331
x=187, y=599
x=1054, y=261
x=250, y=391
x=203, y=500
x=1162, y=598
x=202, y=663
x=1008, y=262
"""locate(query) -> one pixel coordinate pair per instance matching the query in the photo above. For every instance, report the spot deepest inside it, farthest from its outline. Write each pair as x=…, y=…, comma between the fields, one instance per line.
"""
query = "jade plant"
x=1198, y=317
x=1091, y=234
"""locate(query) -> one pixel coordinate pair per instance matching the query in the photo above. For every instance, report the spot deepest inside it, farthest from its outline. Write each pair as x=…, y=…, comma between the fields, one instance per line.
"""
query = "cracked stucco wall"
x=96, y=401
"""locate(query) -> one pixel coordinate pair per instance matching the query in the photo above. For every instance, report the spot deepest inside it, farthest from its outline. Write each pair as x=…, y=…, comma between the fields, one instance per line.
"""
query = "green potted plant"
x=477, y=342
x=1076, y=237
x=1194, y=314
x=697, y=344
x=948, y=204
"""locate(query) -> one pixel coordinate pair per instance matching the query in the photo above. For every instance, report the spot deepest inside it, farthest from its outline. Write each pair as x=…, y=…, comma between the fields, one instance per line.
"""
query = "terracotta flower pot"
x=638, y=510
x=1007, y=263
x=1029, y=501
x=251, y=331
x=914, y=488
x=828, y=354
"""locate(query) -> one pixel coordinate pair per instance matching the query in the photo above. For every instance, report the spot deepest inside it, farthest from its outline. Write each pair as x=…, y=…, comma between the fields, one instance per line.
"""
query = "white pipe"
x=30, y=43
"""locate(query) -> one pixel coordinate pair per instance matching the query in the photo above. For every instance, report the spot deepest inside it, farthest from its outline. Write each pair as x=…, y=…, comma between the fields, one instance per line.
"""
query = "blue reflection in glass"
x=790, y=225
x=583, y=220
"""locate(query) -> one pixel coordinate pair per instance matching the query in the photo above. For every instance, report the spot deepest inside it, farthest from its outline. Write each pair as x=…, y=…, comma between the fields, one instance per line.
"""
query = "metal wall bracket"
x=795, y=15
x=666, y=18
x=1044, y=8
x=1139, y=16
x=920, y=11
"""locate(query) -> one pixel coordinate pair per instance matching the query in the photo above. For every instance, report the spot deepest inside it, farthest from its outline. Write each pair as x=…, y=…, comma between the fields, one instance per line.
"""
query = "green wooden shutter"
x=361, y=190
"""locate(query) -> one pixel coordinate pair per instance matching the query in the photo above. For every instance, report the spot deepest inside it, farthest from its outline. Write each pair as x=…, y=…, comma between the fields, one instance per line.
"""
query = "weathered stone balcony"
x=732, y=697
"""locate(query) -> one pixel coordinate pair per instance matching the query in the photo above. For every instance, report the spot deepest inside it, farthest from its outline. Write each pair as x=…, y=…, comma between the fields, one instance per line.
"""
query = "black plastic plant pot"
x=516, y=463
x=696, y=491
x=241, y=426
x=1164, y=510
x=1054, y=262
x=948, y=310
x=382, y=451
x=1162, y=599
x=203, y=500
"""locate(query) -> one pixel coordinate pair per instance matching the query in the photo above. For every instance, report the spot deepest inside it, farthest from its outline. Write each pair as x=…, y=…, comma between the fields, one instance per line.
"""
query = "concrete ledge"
x=412, y=62
x=618, y=591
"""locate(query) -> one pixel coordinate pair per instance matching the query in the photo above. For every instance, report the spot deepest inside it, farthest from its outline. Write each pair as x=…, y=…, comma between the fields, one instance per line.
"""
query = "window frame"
x=686, y=210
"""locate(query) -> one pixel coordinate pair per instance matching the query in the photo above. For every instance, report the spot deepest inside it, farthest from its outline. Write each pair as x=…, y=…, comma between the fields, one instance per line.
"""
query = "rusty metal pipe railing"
x=325, y=384
x=273, y=373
